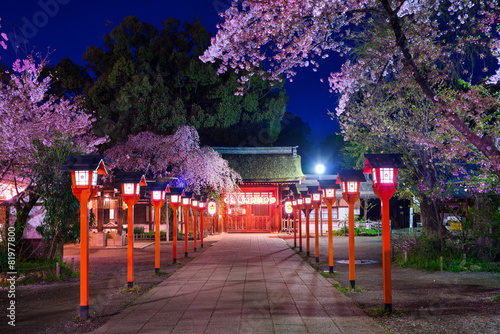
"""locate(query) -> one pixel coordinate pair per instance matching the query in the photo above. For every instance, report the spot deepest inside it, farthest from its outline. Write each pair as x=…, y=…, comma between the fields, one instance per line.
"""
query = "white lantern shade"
x=307, y=200
x=350, y=187
x=128, y=188
x=194, y=203
x=185, y=201
x=300, y=201
x=329, y=193
x=201, y=205
x=212, y=207
x=386, y=175
x=175, y=198
x=82, y=177
x=272, y=200
x=158, y=195
x=288, y=207
x=294, y=203
x=316, y=197
x=94, y=178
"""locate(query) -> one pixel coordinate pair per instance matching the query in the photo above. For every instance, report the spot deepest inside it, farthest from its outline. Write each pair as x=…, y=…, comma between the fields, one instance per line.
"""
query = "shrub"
x=138, y=230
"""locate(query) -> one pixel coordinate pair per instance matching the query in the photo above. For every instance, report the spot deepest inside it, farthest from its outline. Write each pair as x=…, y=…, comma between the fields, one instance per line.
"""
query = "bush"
x=138, y=230
x=424, y=252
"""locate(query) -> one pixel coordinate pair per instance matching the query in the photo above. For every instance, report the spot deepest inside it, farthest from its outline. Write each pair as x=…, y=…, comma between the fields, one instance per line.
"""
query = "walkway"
x=246, y=283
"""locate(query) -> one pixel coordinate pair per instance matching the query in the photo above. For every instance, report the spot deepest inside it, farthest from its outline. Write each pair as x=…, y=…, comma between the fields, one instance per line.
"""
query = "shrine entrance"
x=252, y=210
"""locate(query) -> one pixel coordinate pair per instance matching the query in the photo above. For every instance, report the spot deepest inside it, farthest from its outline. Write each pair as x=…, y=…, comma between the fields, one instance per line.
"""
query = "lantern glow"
x=288, y=207
x=157, y=195
x=386, y=175
x=212, y=207
x=128, y=188
x=175, y=198
x=82, y=177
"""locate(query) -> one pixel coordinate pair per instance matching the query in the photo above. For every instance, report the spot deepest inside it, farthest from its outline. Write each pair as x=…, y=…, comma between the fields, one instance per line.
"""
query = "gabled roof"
x=264, y=165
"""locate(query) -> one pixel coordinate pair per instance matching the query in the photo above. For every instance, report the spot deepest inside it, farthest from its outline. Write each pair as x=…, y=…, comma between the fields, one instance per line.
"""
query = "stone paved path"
x=246, y=283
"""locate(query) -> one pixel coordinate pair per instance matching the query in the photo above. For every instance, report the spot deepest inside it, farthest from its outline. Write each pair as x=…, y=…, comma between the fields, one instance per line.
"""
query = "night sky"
x=67, y=27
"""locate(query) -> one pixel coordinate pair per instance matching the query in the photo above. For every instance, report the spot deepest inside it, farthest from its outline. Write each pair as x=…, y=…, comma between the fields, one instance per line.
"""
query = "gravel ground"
x=424, y=302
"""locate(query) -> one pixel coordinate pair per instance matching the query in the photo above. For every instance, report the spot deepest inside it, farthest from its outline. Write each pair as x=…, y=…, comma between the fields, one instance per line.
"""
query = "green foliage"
x=138, y=230
x=496, y=298
x=154, y=80
x=358, y=231
x=424, y=252
x=61, y=222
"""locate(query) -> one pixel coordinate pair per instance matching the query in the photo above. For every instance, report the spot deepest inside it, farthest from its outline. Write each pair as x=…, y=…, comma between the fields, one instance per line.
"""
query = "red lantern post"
x=300, y=206
x=175, y=201
x=194, y=205
x=307, y=206
x=350, y=180
x=131, y=183
x=202, y=204
x=329, y=198
x=158, y=190
x=294, y=211
x=186, y=204
x=84, y=170
x=383, y=168
x=316, y=201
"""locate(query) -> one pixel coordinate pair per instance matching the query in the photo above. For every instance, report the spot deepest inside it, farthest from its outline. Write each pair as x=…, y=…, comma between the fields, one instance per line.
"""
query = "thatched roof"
x=266, y=167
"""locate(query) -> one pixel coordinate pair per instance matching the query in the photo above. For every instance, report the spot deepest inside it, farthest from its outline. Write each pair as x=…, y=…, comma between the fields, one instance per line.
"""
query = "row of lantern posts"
x=84, y=171
x=383, y=169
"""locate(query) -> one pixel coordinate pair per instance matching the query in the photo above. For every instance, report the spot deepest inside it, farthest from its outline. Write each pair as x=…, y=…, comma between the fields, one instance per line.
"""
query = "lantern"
x=186, y=204
x=175, y=201
x=131, y=183
x=288, y=207
x=84, y=170
x=212, y=207
x=329, y=188
x=158, y=190
x=383, y=168
x=316, y=201
x=202, y=204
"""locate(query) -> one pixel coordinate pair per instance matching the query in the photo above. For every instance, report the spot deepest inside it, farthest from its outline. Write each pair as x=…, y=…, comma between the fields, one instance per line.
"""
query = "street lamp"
x=158, y=190
x=186, y=204
x=175, y=201
x=84, y=170
x=316, y=201
x=307, y=206
x=202, y=205
x=384, y=169
x=320, y=169
x=329, y=188
x=350, y=180
x=131, y=183
x=194, y=205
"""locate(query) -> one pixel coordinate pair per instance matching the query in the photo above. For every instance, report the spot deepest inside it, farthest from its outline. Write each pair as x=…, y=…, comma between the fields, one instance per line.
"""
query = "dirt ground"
x=424, y=302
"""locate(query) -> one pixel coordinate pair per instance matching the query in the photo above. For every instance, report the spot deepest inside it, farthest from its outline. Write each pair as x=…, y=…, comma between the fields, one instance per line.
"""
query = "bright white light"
x=320, y=169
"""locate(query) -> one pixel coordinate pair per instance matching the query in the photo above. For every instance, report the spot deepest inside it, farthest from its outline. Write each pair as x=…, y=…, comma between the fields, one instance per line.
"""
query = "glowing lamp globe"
x=320, y=169
x=288, y=207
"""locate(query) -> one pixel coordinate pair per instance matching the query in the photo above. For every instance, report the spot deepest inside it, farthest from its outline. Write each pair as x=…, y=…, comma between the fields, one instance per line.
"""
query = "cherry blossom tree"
x=30, y=118
x=178, y=155
x=428, y=43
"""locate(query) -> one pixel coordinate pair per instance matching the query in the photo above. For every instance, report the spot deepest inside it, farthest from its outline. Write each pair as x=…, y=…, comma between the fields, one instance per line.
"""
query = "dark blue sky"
x=67, y=27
